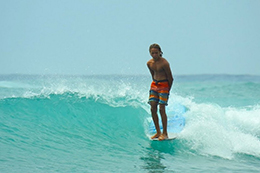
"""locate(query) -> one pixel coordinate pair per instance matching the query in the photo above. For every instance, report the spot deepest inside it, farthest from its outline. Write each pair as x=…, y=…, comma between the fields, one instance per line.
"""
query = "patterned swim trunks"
x=159, y=92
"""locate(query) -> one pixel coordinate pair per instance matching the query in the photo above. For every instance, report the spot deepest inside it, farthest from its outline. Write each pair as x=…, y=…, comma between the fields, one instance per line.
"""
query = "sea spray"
x=223, y=132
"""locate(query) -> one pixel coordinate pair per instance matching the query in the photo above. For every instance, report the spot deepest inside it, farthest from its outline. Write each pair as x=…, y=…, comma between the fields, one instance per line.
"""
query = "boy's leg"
x=155, y=119
x=164, y=122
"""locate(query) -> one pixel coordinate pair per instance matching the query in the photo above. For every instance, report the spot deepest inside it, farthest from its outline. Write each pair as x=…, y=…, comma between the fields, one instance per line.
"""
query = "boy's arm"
x=151, y=71
x=168, y=73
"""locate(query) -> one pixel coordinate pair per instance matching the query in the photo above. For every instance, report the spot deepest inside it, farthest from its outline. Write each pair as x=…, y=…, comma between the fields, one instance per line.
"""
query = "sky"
x=83, y=37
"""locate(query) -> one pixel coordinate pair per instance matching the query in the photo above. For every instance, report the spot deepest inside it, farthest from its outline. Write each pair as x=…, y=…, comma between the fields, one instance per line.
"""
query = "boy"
x=160, y=88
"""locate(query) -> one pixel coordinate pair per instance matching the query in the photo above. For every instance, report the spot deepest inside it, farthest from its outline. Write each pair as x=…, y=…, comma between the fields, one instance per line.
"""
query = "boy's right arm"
x=151, y=71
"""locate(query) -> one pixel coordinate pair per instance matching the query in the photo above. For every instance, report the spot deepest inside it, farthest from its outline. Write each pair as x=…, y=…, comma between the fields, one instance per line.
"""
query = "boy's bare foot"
x=156, y=135
x=163, y=137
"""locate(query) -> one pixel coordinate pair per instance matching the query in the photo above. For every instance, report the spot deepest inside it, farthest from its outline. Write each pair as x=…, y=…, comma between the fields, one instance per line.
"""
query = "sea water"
x=97, y=124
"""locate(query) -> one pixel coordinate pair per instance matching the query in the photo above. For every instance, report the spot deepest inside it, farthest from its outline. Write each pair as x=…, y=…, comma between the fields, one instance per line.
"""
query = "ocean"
x=59, y=123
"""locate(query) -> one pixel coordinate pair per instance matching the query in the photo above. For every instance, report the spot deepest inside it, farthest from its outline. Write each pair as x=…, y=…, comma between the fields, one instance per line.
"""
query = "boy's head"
x=156, y=46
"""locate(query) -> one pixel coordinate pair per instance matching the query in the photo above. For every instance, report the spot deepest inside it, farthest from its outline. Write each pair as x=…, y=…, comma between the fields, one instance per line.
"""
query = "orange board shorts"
x=159, y=92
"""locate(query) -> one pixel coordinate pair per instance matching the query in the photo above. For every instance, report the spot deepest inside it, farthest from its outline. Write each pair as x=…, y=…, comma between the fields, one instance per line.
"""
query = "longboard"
x=171, y=136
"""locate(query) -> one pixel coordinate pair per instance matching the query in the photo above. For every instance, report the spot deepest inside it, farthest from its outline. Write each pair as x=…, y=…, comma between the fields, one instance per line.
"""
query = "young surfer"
x=160, y=88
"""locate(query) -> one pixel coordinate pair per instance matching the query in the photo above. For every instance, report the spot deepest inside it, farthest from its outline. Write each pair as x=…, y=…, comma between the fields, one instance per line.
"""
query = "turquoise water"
x=97, y=124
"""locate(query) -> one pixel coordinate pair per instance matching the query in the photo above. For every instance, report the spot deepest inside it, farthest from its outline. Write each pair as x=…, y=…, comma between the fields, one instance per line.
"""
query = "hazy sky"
x=113, y=36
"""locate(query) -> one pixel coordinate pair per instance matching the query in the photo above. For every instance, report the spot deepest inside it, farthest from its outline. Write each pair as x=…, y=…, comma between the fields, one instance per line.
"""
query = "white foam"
x=224, y=132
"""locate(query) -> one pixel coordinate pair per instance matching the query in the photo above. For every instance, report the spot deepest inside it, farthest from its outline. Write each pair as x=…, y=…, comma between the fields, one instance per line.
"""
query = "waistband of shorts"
x=157, y=81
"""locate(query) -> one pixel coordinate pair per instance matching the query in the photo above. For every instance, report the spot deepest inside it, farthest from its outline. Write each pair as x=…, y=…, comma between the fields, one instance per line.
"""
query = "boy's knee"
x=153, y=109
x=162, y=109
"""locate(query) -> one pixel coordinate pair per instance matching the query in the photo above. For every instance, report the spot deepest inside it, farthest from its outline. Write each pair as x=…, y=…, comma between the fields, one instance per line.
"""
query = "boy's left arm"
x=168, y=74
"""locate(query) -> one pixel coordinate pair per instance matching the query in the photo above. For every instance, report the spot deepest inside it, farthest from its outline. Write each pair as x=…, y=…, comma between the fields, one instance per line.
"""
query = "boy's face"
x=155, y=53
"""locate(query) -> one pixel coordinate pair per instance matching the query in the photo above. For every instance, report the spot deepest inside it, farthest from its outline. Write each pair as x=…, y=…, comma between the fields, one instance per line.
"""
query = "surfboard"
x=175, y=123
x=171, y=136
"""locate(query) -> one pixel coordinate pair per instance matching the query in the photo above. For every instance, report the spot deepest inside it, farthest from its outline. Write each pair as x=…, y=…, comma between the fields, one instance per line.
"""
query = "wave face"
x=97, y=123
